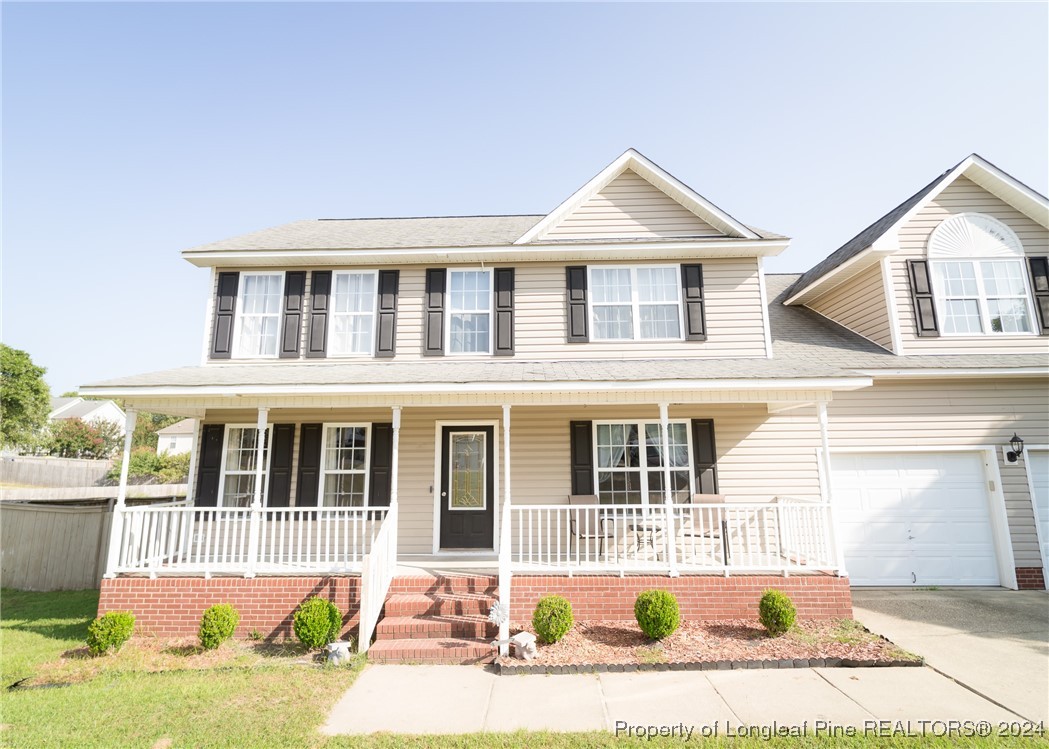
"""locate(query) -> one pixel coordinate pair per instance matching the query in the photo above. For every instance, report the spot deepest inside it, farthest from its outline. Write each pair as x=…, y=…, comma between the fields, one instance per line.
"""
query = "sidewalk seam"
x=849, y=697
x=978, y=693
x=723, y=700
x=604, y=702
x=488, y=705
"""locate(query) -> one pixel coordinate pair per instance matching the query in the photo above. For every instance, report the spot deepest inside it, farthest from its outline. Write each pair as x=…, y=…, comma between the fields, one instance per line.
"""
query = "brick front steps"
x=436, y=620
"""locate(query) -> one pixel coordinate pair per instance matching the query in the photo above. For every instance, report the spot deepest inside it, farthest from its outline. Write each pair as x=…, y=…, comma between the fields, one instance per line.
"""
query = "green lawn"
x=257, y=702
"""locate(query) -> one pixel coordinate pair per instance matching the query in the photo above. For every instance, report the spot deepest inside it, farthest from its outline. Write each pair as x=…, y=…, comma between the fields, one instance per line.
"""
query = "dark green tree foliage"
x=25, y=399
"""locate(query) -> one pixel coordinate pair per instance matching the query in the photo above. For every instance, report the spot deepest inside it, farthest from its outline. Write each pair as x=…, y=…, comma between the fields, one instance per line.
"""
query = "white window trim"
x=265, y=474
x=484, y=483
x=635, y=303
x=644, y=470
x=374, y=313
x=238, y=320
x=448, y=312
x=940, y=298
x=324, y=454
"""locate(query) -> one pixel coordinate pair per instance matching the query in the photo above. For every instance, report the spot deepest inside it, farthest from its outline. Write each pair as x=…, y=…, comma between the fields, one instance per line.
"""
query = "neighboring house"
x=431, y=392
x=89, y=411
x=177, y=438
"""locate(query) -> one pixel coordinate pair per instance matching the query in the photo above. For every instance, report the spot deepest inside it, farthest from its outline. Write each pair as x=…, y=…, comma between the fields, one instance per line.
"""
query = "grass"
x=242, y=695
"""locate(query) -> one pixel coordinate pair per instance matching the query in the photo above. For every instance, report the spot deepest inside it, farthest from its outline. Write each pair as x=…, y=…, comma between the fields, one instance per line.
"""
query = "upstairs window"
x=258, y=314
x=635, y=303
x=979, y=278
x=352, y=326
x=469, y=312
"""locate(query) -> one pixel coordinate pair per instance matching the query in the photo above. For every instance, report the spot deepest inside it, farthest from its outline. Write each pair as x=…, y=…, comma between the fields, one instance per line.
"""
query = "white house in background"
x=89, y=411
x=177, y=438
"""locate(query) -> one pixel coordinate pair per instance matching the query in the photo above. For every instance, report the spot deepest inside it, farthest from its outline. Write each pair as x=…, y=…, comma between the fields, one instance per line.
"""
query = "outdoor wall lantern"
x=1017, y=446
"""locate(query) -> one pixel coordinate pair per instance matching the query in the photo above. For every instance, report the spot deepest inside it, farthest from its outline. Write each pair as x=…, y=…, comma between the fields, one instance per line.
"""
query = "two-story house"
x=418, y=415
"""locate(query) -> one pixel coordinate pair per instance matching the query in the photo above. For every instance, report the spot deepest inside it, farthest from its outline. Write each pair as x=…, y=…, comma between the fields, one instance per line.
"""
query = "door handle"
x=444, y=494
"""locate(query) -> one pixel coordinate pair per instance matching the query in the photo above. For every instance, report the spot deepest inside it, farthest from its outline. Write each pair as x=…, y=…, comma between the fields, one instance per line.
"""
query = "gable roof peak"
x=633, y=160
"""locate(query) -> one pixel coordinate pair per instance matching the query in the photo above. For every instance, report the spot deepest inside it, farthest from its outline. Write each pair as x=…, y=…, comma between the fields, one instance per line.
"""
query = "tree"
x=25, y=399
x=73, y=438
x=146, y=428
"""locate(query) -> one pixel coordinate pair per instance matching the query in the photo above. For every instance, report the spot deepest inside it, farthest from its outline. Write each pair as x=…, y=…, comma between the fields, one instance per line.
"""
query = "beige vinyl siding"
x=630, y=207
x=733, y=313
x=950, y=413
x=859, y=305
x=962, y=196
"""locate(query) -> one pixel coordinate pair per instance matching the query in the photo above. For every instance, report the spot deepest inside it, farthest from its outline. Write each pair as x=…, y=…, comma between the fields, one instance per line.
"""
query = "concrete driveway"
x=993, y=641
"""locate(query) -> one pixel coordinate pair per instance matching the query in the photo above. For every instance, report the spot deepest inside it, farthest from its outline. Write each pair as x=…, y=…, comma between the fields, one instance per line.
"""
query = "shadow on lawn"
x=61, y=615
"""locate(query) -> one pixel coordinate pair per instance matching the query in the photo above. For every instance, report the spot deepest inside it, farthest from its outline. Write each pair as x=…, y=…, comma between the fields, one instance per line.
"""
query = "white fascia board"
x=834, y=278
x=885, y=374
x=829, y=383
x=659, y=177
x=533, y=253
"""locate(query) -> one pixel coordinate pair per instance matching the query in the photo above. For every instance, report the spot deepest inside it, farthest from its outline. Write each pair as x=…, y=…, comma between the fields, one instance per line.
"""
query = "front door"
x=467, y=487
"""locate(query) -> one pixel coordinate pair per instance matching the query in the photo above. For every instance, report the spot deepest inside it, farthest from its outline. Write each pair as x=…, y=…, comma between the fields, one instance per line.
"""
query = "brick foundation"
x=700, y=596
x=1030, y=578
x=172, y=606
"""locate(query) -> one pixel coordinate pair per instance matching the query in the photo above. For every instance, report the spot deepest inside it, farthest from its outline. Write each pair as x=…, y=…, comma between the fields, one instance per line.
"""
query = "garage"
x=1038, y=468
x=915, y=519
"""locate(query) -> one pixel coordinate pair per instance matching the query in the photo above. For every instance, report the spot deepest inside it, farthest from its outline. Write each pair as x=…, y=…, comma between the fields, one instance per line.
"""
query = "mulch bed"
x=737, y=643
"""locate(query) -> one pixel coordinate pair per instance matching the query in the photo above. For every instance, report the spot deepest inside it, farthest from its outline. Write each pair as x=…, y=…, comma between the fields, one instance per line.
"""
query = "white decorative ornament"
x=973, y=235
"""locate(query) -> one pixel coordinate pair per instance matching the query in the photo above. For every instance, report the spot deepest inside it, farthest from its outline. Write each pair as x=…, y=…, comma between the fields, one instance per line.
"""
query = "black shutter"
x=705, y=456
x=210, y=465
x=504, y=311
x=582, y=439
x=278, y=494
x=921, y=297
x=307, y=491
x=695, y=307
x=291, y=319
x=433, y=342
x=379, y=472
x=386, y=332
x=577, y=318
x=1040, y=283
x=320, y=290
x=225, y=311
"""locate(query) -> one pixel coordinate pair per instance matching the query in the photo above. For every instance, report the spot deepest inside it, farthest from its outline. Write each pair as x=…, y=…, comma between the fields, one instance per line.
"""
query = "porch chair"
x=691, y=530
x=592, y=522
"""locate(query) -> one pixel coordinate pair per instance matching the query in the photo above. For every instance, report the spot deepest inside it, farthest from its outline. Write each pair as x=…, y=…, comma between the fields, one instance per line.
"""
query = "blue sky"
x=133, y=131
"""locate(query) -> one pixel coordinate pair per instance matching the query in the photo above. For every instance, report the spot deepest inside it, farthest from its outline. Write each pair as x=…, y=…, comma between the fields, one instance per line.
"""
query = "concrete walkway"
x=994, y=641
x=468, y=699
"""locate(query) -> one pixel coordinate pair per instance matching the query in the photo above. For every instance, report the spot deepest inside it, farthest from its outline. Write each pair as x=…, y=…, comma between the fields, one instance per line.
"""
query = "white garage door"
x=915, y=519
x=1038, y=465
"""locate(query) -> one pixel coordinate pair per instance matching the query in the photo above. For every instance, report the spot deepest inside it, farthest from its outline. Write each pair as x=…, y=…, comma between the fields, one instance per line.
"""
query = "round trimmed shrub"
x=776, y=612
x=552, y=618
x=317, y=622
x=217, y=625
x=657, y=613
x=110, y=631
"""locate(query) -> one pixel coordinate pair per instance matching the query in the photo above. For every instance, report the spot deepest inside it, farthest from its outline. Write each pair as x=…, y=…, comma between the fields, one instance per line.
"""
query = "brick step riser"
x=431, y=630
x=440, y=607
x=445, y=585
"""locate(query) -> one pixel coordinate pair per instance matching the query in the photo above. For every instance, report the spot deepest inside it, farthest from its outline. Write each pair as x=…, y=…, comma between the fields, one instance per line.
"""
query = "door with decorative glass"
x=467, y=487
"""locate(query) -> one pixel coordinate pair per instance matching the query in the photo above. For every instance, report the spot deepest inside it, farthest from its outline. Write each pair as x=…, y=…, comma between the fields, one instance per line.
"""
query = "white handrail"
x=377, y=572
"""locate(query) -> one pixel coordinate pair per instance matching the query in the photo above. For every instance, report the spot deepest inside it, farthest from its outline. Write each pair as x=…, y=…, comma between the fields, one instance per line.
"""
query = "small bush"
x=657, y=613
x=317, y=622
x=110, y=632
x=217, y=625
x=776, y=612
x=552, y=618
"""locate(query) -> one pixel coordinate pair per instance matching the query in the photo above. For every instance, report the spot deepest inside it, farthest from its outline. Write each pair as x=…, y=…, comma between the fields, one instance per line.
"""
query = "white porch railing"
x=376, y=575
x=781, y=536
x=178, y=539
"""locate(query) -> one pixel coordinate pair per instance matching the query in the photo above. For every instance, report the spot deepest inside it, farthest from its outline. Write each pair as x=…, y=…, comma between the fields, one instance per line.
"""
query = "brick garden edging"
x=613, y=668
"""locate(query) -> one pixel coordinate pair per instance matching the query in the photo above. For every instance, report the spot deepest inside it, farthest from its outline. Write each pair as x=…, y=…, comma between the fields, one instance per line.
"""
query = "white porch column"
x=828, y=490
x=116, y=526
x=193, y=447
x=504, y=535
x=395, y=454
x=668, y=495
x=255, y=523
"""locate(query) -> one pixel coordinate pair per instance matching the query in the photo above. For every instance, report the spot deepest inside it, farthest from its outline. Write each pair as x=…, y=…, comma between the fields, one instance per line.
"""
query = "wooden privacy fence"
x=47, y=547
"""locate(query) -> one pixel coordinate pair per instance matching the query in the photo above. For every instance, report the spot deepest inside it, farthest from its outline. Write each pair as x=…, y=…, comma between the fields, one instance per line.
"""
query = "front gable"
x=633, y=198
